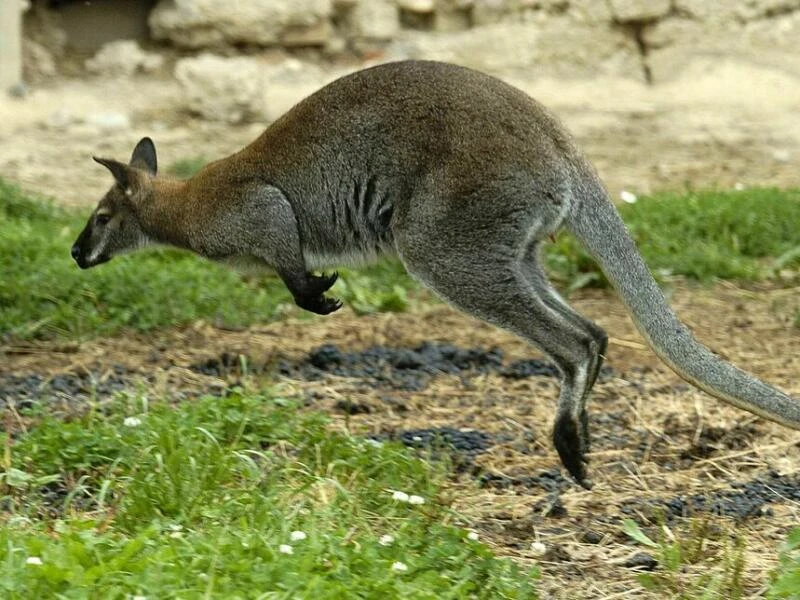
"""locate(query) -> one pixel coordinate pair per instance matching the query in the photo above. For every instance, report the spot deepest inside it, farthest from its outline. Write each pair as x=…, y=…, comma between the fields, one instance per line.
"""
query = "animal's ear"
x=120, y=171
x=144, y=156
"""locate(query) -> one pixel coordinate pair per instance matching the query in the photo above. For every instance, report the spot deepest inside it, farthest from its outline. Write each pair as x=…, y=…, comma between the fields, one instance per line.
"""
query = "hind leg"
x=479, y=271
x=533, y=271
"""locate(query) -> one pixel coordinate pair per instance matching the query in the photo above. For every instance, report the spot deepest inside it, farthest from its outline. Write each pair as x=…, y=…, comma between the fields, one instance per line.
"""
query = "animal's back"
x=419, y=115
x=351, y=156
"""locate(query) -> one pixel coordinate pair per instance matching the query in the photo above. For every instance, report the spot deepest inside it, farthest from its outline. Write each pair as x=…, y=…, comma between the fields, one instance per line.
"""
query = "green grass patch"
x=743, y=235
x=202, y=499
x=737, y=235
x=786, y=579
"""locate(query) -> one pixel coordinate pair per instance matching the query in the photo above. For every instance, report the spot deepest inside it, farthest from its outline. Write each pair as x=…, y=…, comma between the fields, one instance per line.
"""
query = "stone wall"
x=652, y=40
x=646, y=40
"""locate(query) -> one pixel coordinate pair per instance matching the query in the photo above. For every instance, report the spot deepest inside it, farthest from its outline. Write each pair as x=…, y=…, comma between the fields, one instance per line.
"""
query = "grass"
x=706, y=564
x=139, y=498
x=741, y=235
x=733, y=235
x=786, y=579
x=694, y=566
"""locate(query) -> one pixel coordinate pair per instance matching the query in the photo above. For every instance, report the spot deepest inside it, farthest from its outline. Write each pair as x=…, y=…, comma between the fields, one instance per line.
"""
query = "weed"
x=697, y=565
x=786, y=579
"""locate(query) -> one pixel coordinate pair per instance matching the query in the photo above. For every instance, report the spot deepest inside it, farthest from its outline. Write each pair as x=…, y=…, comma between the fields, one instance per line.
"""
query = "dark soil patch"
x=74, y=388
x=23, y=390
x=398, y=368
x=461, y=446
x=457, y=446
x=548, y=481
x=409, y=369
x=456, y=440
x=742, y=501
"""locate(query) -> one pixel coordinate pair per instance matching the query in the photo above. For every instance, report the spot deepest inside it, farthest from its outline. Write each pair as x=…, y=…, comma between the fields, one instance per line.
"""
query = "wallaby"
x=461, y=176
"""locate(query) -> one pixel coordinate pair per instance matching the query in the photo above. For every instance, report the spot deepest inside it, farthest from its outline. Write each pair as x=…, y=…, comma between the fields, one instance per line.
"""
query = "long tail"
x=599, y=228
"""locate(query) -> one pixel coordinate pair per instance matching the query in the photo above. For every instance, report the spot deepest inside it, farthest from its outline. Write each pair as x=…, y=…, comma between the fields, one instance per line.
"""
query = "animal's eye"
x=102, y=219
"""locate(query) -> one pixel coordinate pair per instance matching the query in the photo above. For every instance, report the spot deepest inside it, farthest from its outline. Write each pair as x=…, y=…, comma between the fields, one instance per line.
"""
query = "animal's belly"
x=248, y=265
x=352, y=257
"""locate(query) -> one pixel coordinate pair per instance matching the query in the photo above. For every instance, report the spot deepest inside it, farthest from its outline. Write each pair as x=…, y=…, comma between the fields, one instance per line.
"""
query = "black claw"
x=318, y=304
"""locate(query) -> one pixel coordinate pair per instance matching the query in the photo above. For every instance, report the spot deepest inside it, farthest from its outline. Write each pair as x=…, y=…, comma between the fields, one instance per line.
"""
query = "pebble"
x=641, y=561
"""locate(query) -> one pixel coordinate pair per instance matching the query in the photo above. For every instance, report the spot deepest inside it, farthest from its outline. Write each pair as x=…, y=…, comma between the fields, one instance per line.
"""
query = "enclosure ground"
x=662, y=451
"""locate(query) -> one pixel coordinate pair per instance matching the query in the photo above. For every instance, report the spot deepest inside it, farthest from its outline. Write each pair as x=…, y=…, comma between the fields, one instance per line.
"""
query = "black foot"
x=570, y=437
x=316, y=285
x=585, y=432
x=309, y=289
x=318, y=304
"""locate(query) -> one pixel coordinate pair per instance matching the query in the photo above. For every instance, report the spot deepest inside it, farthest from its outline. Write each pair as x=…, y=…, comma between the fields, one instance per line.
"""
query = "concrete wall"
x=645, y=40
x=10, y=43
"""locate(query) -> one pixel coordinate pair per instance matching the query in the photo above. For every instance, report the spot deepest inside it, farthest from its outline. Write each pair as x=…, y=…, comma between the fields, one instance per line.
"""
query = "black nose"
x=75, y=252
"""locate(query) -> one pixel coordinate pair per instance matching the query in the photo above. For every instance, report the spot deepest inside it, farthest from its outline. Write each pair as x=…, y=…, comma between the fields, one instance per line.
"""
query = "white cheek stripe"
x=93, y=256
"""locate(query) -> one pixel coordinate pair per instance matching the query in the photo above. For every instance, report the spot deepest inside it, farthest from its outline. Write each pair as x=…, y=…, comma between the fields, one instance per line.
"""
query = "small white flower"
x=400, y=567
x=416, y=500
x=400, y=496
x=132, y=422
x=138, y=597
x=386, y=540
x=297, y=536
x=628, y=197
x=473, y=535
x=33, y=560
x=374, y=443
x=738, y=186
x=285, y=549
x=538, y=548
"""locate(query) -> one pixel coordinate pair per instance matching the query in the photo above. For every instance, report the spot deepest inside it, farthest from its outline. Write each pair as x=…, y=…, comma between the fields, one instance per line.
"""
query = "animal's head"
x=114, y=226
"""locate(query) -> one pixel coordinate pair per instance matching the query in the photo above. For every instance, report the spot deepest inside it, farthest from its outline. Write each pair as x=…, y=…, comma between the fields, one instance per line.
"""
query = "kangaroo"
x=461, y=176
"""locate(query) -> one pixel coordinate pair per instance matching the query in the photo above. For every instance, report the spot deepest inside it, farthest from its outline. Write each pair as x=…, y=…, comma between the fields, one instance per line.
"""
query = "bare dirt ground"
x=659, y=446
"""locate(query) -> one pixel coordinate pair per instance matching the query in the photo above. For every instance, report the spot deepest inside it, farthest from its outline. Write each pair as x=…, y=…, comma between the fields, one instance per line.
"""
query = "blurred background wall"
x=650, y=40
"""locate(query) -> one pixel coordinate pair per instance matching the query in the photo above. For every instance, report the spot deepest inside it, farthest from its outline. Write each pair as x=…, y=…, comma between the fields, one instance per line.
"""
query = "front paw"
x=316, y=285
x=318, y=304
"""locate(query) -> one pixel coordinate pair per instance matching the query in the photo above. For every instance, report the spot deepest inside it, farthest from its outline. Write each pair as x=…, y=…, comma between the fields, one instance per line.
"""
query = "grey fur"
x=460, y=175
